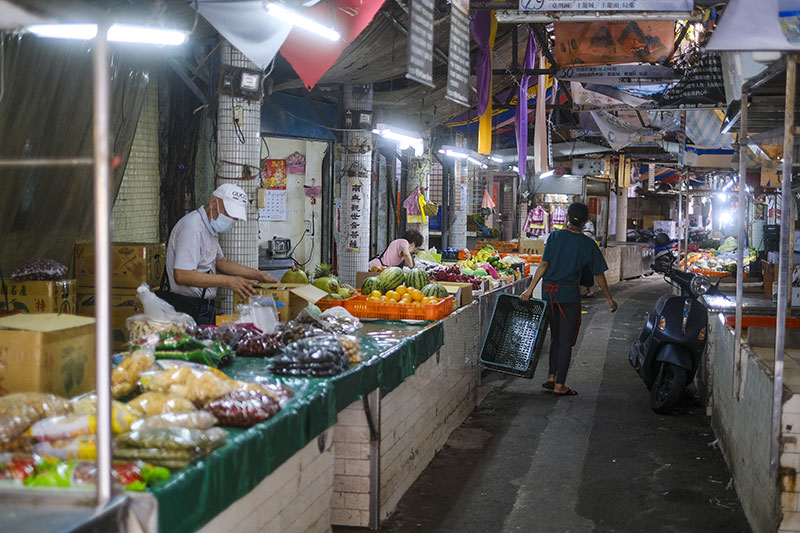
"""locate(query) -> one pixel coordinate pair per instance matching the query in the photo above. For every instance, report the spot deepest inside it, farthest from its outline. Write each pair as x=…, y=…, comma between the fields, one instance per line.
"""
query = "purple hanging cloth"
x=521, y=119
x=481, y=28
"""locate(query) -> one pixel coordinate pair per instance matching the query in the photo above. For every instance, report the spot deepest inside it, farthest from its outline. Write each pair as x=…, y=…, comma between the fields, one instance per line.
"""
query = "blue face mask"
x=222, y=223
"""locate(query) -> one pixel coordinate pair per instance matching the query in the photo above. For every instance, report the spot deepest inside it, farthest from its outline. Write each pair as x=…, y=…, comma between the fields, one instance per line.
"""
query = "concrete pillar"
x=234, y=149
x=622, y=215
x=459, y=200
x=355, y=185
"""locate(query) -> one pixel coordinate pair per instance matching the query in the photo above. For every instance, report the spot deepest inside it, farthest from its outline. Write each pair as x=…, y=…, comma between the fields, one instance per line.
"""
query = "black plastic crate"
x=515, y=336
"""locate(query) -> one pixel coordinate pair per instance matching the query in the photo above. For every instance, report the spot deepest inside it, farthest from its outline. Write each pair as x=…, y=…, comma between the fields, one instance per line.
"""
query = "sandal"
x=549, y=385
x=568, y=392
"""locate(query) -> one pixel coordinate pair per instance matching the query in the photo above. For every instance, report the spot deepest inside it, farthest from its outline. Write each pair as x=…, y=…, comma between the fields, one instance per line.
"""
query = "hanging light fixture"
x=285, y=14
x=406, y=139
x=121, y=33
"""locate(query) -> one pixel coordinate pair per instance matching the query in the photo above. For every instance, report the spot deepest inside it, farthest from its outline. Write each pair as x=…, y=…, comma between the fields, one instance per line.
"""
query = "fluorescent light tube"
x=295, y=19
x=496, y=158
x=454, y=153
x=124, y=33
x=64, y=31
x=547, y=174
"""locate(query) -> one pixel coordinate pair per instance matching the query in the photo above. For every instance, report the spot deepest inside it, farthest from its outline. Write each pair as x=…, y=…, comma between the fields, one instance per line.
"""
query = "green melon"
x=372, y=284
x=417, y=278
x=391, y=278
x=435, y=290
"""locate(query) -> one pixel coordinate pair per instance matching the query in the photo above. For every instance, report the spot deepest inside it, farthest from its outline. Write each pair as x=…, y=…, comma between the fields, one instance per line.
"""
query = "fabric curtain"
x=484, y=31
x=46, y=111
x=540, y=153
x=521, y=119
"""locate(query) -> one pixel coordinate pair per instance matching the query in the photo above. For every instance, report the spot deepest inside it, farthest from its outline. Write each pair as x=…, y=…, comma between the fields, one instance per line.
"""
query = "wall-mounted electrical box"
x=591, y=167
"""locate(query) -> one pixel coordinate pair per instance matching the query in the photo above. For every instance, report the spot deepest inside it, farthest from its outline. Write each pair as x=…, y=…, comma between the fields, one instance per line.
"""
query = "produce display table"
x=193, y=496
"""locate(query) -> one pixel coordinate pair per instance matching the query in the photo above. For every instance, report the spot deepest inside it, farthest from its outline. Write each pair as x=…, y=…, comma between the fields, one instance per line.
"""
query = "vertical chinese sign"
x=355, y=203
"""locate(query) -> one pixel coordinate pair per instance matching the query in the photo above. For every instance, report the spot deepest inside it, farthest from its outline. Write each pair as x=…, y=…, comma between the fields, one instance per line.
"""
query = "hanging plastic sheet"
x=521, y=116
x=46, y=111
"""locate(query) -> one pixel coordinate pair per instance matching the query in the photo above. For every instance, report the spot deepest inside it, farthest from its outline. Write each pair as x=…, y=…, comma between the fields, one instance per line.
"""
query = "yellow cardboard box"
x=47, y=353
x=531, y=246
x=453, y=288
x=124, y=304
x=40, y=297
x=294, y=297
x=131, y=264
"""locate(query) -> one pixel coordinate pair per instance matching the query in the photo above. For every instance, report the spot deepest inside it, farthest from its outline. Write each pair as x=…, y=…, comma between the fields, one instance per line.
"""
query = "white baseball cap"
x=234, y=198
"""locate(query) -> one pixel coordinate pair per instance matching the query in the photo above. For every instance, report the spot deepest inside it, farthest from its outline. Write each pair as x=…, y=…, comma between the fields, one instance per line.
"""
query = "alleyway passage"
x=601, y=461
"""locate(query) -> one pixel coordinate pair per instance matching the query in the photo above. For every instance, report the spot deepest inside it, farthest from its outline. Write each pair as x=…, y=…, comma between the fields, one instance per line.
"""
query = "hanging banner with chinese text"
x=354, y=199
x=420, y=42
x=608, y=43
x=458, y=54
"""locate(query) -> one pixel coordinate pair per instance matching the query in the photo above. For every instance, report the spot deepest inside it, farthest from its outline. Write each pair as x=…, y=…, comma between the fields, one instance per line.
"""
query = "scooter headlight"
x=700, y=285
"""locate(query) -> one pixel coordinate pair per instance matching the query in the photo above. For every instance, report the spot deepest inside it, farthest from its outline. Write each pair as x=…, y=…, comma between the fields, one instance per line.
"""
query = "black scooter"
x=670, y=347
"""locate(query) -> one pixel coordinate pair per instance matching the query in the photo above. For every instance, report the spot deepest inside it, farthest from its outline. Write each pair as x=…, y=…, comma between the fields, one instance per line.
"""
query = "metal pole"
x=44, y=162
x=685, y=224
x=102, y=239
x=786, y=246
x=737, y=346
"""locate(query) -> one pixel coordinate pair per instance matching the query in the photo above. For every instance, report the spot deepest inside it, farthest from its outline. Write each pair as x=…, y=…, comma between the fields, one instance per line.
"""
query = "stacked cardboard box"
x=131, y=265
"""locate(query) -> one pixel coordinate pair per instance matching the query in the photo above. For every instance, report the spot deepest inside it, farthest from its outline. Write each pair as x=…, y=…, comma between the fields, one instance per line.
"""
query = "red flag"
x=311, y=55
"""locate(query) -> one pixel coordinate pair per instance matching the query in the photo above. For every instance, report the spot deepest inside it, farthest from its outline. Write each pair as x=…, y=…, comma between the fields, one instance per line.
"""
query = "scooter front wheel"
x=667, y=388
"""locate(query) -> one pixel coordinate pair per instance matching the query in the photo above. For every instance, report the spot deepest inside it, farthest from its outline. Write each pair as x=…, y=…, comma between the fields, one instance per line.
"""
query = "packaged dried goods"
x=78, y=448
x=39, y=270
x=166, y=364
x=293, y=331
x=158, y=317
x=265, y=345
x=125, y=375
x=350, y=345
x=39, y=404
x=196, y=386
x=141, y=326
x=315, y=357
x=157, y=403
x=74, y=425
x=86, y=404
x=174, y=459
x=243, y=408
x=191, y=420
x=186, y=348
x=169, y=447
x=73, y=473
x=230, y=335
x=15, y=468
x=11, y=427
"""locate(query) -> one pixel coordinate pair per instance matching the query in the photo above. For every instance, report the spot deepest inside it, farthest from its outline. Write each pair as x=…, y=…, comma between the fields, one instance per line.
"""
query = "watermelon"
x=391, y=278
x=435, y=290
x=417, y=278
x=372, y=284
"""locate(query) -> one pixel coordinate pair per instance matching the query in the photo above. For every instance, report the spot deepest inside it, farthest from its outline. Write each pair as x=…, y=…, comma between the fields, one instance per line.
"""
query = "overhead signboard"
x=610, y=43
x=606, y=5
x=420, y=42
x=616, y=74
x=703, y=84
x=458, y=54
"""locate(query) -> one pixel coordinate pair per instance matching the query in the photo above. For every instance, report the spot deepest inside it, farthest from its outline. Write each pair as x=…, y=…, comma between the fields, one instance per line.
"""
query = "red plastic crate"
x=361, y=308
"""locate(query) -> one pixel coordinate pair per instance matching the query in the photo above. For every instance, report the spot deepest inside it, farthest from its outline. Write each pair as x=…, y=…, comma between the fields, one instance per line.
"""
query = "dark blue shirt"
x=567, y=253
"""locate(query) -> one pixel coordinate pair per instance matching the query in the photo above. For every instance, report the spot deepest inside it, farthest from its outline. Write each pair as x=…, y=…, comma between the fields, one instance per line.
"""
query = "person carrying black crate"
x=566, y=253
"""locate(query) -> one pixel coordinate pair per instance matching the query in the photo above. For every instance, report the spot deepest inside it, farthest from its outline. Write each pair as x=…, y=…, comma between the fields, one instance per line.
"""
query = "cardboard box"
x=47, y=353
x=41, y=297
x=294, y=297
x=531, y=246
x=794, y=291
x=465, y=296
x=124, y=304
x=131, y=264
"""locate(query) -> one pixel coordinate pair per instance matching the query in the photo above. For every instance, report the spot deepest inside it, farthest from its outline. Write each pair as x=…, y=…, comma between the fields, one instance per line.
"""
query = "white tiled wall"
x=295, y=498
x=351, y=468
x=136, y=209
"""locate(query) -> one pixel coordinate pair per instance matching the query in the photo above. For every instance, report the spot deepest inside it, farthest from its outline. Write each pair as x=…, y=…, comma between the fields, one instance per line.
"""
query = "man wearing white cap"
x=195, y=265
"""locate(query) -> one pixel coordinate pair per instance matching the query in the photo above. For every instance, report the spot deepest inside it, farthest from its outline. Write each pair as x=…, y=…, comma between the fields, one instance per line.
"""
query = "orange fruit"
x=391, y=301
x=405, y=300
x=417, y=296
x=373, y=298
x=376, y=294
x=426, y=300
x=393, y=295
x=401, y=290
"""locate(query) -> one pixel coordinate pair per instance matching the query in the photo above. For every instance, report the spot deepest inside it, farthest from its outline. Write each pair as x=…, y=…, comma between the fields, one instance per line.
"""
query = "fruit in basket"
x=295, y=275
x=392, y=277
x=416, y=295
x=417, y=278
x=372, y=285
x=402, y=290
x=436, y=290
x=392, y=295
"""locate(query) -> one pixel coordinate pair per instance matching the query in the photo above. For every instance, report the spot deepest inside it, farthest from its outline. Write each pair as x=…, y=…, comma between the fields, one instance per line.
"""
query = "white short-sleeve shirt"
x=193, y=245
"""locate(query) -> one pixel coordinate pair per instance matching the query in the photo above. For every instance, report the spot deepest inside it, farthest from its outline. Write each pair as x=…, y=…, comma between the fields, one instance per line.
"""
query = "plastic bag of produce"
x=176, y=439
x=243, y=408
x=86, y=404
x=265, y=345
x=125, y=375
x=191, y=420
x=74, y=473
x=185, y=347
x=350, y=345
x=316, y=357
x=18, y=411
x=729, y=245
x=39, y=270
x=340, y=320
x=78, y=448
x=197, y=386
x=230, y=335
x=71, y=426
x=158, y=317
x=14, y=468
x=157, y=403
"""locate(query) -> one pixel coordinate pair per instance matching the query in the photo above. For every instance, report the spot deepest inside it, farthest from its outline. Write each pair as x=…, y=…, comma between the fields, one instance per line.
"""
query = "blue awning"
x=284, y=115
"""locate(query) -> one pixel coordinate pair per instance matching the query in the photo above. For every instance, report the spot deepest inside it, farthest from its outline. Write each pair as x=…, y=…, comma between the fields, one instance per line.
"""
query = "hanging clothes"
x=559, y=218
x=538, y=222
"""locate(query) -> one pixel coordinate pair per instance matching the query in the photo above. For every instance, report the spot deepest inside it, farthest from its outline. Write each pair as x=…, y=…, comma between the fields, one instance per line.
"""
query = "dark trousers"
x=200, y=309
x=562, y=335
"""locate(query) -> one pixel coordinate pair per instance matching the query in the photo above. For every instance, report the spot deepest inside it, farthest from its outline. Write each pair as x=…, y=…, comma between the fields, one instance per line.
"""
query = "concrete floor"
x=601, y=461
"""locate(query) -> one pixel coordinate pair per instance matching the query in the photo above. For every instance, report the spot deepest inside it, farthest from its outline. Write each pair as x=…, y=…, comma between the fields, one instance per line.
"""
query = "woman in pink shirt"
x=399, y=251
